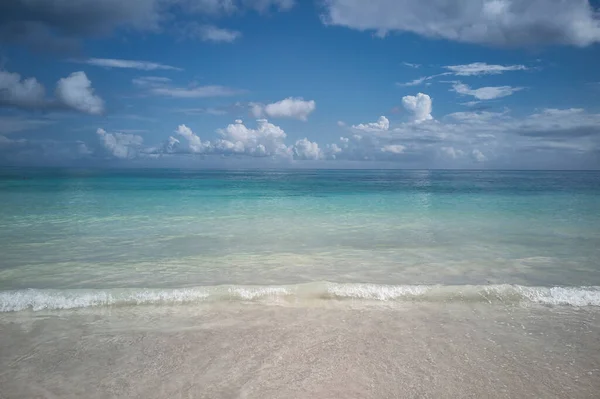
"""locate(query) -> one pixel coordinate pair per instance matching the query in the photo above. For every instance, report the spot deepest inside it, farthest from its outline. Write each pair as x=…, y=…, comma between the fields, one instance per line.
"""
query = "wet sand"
x=346, y=350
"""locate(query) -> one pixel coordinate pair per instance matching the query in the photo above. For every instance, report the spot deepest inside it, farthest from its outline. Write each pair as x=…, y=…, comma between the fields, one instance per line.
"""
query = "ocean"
x=299, y=283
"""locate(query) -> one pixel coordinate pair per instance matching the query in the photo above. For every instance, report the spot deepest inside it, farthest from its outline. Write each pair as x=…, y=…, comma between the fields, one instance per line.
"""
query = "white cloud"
x=421, y=80
x=419, y=105
x=490, y=22
x=341, y=123
x=26, y=93
x=162, y=87
x=194, y=144
x=485, y=93
x=209, y=33
x=201, y=111
x=266, y=140
x=332, y=150
x=75, y=91
x=129, y=64
x=306, y=149
x=410, y=65
x=481, y=68
x=393, y=148
x=452, y=152
x=485, y=136
x=471, y=103
x=415, y=82
x=473, y=116
x=382, y=124
x=479, y=156
x=295, y=108
x=460, y=139
x=196, y=92
x=120, y=145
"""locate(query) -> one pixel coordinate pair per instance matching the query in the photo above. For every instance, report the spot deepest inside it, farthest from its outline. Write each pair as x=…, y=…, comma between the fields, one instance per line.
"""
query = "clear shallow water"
x=90, y=234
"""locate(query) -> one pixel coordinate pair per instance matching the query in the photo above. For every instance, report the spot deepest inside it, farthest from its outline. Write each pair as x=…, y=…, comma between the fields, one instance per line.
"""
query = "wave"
x=36, y=299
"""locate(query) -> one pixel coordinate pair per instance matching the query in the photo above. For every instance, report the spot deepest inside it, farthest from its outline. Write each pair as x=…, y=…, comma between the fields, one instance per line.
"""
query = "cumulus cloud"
x=306, y=149
x=26, y=93
x=382, y=124
x=194, y=143
x=485, y=93
x=73, y=92
x=452, y=152
x=489, y=22
x=120, y=145
x=294, y=108
x=160, y=86
x=460, y=139
x=485, y=136
x=76, y=92
x=419, y=105
x=478, y=155
x=393, y=148
x=266, y=140
x=481, y=68
x=129, y=64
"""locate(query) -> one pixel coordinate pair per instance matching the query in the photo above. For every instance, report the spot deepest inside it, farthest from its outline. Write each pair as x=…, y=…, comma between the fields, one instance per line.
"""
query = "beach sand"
x=322, y=350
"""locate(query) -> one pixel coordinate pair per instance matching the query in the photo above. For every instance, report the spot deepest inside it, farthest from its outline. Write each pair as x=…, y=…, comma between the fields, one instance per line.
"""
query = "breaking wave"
x=35, y=299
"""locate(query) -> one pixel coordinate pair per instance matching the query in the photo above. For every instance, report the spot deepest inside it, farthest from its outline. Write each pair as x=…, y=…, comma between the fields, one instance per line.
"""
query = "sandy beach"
x=326, y=350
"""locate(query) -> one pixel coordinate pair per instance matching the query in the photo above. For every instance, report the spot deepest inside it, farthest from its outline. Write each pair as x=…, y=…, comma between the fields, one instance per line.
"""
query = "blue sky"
x=326, y=83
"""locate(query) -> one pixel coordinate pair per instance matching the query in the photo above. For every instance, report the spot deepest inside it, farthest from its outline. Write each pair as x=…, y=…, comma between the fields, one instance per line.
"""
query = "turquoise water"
x=165, y=233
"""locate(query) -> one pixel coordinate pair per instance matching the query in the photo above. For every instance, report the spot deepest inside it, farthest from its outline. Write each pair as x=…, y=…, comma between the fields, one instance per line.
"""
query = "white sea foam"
x=34, y=299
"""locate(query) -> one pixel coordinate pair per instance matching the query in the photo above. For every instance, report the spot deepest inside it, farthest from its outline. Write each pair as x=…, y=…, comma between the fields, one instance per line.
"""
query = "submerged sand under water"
x=323, y=350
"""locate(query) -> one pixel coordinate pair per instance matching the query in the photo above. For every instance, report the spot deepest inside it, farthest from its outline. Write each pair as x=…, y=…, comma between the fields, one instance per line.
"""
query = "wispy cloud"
x=415, y=82
x=163, y=87
x=481, y=68
x=203, y=111
x=410, y=65
x=485, y=93
x=196, y=92
x=473, y=69
x=128, y=64
x=422, y=79
x=209, y=33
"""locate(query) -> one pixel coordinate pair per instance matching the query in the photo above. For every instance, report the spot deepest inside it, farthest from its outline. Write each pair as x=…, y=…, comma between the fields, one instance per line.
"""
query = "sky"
x=445, y=84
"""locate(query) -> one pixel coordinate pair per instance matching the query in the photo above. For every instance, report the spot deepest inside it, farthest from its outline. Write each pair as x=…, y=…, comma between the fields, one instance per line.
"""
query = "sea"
x=299, y=283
